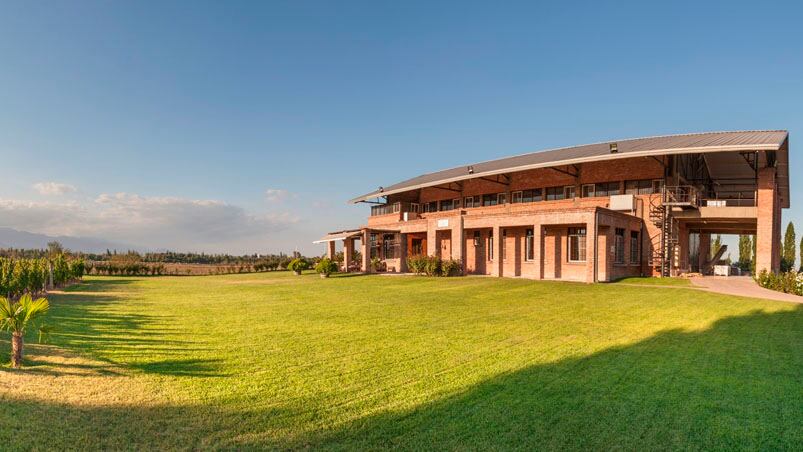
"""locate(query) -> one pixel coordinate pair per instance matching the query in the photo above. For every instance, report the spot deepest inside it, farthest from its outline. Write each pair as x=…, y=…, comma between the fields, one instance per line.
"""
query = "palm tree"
x=15, y=317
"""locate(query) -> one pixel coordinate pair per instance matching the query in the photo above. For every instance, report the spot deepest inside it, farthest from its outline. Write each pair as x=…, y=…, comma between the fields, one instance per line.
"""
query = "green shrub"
x=326, y=266
x=417, y=263
x=376, y=264
x=297, y=265
x=451, y=267
x=432, y=266
x=788, y=282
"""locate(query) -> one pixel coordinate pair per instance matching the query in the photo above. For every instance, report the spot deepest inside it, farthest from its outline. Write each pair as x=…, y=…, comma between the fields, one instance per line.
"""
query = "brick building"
x=597, y=212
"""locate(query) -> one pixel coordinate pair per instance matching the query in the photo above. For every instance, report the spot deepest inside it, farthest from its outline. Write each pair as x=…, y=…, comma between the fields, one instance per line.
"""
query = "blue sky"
x=245, y=126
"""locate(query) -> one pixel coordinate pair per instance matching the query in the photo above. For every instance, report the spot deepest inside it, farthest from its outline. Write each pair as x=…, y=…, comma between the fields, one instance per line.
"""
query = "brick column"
x=365, y=249
x=402, y=253
x=591, y=248
x=768, y=231
x=683, y=242
x=704, y=251
x=458, y=240
x=330, y=249
x=497, y=263
x=433, y=247
x=538, y=250
x=348, y=253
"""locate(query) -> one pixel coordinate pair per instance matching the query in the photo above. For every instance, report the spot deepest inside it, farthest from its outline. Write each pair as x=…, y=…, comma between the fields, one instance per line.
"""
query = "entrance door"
x=445, y=244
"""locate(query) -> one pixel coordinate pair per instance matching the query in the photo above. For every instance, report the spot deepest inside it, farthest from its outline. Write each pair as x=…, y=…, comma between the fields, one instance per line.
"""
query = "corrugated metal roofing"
x=758, y=140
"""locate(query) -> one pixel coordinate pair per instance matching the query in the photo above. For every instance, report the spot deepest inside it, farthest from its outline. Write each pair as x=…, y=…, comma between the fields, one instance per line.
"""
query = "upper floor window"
x=447, y=204
x=639, y=187
x=489, y=200
x=555, y=193
x=569, y=191
x=469, y=202
x=501, y=198
x=607, y=189
x=526, y=196
x=588, y=191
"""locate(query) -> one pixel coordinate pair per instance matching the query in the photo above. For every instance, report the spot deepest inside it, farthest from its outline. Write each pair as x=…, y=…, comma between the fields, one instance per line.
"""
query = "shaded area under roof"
x=761, y=140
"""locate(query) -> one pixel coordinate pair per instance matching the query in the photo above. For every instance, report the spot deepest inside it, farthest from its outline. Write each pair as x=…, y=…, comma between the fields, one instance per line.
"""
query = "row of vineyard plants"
x=20, y=276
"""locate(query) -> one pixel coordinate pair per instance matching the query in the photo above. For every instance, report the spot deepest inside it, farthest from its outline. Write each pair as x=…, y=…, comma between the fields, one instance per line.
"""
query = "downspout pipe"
x=596, y=245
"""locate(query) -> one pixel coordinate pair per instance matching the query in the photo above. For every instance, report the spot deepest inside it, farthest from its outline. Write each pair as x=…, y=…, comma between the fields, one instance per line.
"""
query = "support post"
x=365, y=249
x=497, y=262
x=768, y=230
x=348, y=253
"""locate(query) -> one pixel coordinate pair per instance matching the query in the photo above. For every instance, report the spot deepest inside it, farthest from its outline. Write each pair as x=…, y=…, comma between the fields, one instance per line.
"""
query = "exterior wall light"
x=470, y=170
x=614, y=148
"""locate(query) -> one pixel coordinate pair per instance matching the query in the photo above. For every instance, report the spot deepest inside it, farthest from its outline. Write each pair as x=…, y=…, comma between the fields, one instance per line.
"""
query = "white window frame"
x=583, y=189
x=514, y=195
x=529, y=245
x=467, y=204
x=414, y=207
x=580, y=239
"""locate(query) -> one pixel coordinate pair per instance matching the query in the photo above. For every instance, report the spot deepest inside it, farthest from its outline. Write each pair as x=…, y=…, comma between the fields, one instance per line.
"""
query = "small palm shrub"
x=15, y=317
x=297, y=265
x=325, y=267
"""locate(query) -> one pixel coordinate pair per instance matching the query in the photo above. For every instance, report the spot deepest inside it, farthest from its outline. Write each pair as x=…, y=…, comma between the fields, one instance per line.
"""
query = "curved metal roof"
x=754, y=140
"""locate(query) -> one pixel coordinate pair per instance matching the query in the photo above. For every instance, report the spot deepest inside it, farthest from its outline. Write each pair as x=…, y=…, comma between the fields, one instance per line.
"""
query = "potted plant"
x=297, y=265
x=326, y=267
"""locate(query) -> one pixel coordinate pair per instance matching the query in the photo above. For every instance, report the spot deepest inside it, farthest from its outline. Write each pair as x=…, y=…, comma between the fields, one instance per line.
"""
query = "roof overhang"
x=339, y=235
x=774, y=141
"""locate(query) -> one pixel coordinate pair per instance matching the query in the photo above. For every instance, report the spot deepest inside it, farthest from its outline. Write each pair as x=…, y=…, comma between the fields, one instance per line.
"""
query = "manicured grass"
x=374, y=362
x=676, y=282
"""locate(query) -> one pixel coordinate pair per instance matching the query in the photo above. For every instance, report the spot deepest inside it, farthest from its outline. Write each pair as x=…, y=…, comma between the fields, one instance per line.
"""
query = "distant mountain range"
x=12, y=238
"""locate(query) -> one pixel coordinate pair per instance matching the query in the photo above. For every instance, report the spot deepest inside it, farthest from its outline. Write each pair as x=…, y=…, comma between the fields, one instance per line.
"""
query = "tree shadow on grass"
x=737, y=385
x=181, y=367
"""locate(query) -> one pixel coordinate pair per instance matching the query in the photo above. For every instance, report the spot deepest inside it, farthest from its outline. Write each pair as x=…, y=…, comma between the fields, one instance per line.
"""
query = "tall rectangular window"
x=456, y=203
x=569, y=191
x=468, y=202
x=515, y=197
x=501, y=198
x=588, y=191
x=554, y=193
x=390, y=246
x=577, y=244
x=491, y=246
x=529, y=242
x=635, y=252
x=504, y=244
x=619, y=246
x=373, y=245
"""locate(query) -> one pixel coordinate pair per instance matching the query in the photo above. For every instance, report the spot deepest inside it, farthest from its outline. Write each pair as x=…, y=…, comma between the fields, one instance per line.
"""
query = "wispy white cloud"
x=154, y=222
x=276, y=195
x=53, y=188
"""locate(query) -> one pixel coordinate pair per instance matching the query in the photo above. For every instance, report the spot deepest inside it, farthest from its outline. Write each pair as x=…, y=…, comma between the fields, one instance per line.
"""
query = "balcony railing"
x=681, y=195
x=396, y=207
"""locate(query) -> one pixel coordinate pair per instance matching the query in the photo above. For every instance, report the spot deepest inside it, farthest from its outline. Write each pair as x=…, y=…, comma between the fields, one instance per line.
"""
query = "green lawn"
x=373, y=362
x=676, y=282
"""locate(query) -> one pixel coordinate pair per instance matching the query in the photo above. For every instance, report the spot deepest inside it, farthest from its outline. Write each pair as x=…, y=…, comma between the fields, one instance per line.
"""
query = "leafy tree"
x=16, y=317
x=801, y=255
x=54, y=248
x=745, y=251
x=789, y=251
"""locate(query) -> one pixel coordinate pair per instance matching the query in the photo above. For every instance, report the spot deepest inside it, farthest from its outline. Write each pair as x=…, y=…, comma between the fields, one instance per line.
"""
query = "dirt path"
x=741, y=285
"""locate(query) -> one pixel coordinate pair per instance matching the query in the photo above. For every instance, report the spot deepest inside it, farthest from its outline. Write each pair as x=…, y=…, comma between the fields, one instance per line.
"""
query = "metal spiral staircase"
x=683, y=197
